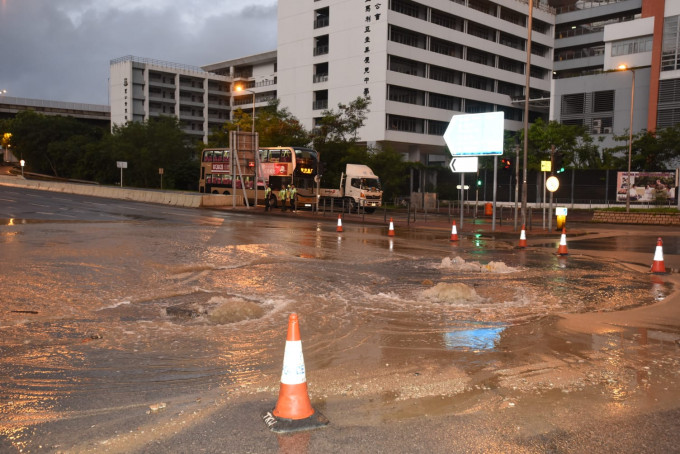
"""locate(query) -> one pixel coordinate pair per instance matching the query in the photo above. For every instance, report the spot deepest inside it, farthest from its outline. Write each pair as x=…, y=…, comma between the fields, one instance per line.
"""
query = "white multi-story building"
x=419, y=61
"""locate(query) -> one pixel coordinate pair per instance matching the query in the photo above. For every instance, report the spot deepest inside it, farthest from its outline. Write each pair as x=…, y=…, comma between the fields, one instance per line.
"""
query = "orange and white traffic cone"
x=562, y=249
x=390, y=232
x=658, y=267
x=339, y=229
x=454, y=232
x=293, y=411
x=523, y=238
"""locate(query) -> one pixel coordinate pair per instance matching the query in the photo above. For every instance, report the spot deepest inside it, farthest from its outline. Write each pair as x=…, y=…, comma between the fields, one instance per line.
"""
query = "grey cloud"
x=46, y=55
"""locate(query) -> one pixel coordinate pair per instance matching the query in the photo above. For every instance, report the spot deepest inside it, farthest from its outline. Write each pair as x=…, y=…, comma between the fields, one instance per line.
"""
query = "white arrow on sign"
x=466, y=164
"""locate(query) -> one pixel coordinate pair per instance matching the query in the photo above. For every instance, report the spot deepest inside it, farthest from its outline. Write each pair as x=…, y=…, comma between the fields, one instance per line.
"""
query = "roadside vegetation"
x=69, y=148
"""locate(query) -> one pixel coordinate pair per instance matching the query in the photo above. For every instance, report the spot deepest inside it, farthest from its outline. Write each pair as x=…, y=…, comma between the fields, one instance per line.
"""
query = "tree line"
x=70, y=148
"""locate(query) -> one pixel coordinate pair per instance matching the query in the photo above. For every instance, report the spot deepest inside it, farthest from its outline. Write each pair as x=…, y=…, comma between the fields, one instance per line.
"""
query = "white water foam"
x=459, y=264
x=452, y=292
x=114, y=305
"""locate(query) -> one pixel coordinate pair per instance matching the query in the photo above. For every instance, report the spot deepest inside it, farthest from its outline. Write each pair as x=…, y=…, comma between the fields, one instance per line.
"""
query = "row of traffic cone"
x=658, y=266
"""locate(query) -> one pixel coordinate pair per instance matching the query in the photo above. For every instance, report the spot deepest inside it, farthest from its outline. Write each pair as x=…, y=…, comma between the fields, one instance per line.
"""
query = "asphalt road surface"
x=130, y=327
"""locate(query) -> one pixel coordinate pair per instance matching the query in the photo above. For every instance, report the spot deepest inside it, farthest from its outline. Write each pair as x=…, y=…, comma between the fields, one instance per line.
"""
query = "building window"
x=477, y=106
x=321, y=17
x=409, y=8
x=512, y=90
x=603, y=101
x=479, y=82
x=632, y=46
x=513, y=41
x=320, y=72
x=406, y=95
x=508, y=64
x=669, y=103
x=670, y=57
x=436, y=128
x=511, y=113
x=320, y=100
x=447, y=20
x=407, y=37
x=446, y=75
x=573, y=104
x=439, y=101
x=481, y=31
x=321, y=45
x=481, y=57
x=406, y=124
x=406, y=66
x=446, y=48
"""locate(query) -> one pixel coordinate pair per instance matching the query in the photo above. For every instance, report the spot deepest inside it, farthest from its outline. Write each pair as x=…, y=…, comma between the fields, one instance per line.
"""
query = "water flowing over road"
x=133, y=325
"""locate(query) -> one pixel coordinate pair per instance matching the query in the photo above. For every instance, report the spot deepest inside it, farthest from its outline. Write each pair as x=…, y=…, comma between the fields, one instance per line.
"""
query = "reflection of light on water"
x=477, y=338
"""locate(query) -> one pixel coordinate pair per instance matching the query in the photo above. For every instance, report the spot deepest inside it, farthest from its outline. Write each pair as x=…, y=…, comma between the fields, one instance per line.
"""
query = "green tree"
x=52, y=145
x=275, y=127
x=389, y=165
x=572, y=141
x=148, y=146
x=335, y=138
x=651, y=151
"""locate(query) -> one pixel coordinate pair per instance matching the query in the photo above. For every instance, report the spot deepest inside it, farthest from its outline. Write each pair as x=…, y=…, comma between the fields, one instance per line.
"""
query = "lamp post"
x=527, y=89
x=630, y=131
x=240, y=88
x=23, y=163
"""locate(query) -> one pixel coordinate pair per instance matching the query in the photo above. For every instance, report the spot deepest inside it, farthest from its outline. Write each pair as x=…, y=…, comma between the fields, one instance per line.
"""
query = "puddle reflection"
x=482, y=338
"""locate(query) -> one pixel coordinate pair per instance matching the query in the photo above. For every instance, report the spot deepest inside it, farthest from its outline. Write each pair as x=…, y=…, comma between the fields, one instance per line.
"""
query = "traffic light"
x=479, y=183
x=558, y=163
x=506, y=164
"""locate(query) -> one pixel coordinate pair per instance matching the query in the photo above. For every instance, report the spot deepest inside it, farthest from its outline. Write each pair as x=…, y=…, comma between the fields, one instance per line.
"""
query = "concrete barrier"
x=180, y=199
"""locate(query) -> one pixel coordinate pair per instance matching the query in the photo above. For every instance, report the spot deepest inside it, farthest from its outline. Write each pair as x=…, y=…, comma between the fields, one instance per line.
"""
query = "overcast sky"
x=60, y=49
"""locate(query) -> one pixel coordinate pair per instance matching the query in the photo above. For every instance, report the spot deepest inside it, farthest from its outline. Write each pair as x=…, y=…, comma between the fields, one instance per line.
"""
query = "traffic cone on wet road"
x=293, y=411
x=454, y=232
x=562, y=249
x=522, y=238
x=657, y=266
x=339, y=229
x=390, y=232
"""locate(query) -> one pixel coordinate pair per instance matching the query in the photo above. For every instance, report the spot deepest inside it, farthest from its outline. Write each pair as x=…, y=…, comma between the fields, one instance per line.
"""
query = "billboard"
x=647, y=187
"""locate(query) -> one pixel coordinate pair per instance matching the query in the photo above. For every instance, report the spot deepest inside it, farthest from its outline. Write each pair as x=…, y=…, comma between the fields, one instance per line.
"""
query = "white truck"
x=359, y=190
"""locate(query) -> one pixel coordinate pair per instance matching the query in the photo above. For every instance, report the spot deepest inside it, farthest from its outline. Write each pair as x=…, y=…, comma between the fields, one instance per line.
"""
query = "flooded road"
x=132, y=328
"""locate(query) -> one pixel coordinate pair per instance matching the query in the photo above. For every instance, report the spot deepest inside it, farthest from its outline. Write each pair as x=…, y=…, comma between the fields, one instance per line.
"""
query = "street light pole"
x=240, y=88
x=630, y=131
x=527, y=70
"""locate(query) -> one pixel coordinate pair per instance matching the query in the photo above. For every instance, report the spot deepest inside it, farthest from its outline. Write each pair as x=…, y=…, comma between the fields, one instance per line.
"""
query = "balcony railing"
x=321, y=22
x=320, y=78
x=320, y=104
x=321, y=50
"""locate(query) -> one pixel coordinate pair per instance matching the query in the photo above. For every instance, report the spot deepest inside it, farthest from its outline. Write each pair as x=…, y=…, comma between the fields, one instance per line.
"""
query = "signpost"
x=553, y=184
x=470, y=136
x=546, y=166
x=121, y=165
x=160, y=172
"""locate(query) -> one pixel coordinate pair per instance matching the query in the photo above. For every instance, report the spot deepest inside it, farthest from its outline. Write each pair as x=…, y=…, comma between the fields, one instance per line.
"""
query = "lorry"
x=359, y=190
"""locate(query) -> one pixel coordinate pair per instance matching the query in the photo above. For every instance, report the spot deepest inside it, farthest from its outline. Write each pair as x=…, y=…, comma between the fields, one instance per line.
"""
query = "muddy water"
x=107, y=317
